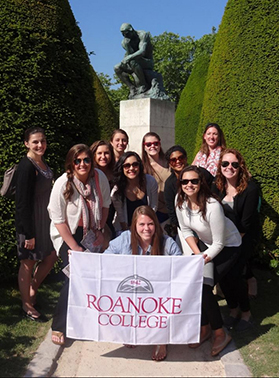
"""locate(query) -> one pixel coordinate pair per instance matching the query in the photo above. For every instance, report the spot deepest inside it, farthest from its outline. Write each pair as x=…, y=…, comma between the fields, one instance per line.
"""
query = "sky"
x=100, y=21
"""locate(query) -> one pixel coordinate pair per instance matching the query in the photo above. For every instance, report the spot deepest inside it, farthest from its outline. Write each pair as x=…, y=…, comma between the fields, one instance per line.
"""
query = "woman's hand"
x=207, y=259
x=29, y=244
x=78, y=249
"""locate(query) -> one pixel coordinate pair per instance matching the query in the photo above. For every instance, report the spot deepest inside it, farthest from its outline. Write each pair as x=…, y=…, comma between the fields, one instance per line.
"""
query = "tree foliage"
x=173, y=58
x=115, y=94
x=45, y=81
x=241, y=95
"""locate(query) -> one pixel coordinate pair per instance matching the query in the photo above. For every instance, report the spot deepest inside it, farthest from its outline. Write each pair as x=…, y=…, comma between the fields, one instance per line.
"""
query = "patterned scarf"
x=92, y=202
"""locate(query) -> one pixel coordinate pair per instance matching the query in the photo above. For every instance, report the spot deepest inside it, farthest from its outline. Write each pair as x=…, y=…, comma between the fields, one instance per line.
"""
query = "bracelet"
x=102, y=230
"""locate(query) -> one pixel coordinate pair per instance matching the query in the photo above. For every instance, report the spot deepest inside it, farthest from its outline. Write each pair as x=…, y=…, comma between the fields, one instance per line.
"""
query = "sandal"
x=202, y=340
x=159, y=354
x=220, y=343
x=57, y=338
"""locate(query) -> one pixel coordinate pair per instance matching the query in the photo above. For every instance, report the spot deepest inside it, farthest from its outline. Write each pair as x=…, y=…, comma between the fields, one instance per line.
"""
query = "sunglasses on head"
x=234, y=164
x=135, y=164
x=192, y=181
x=149, y=144
x=179, y=158
x=86, y=161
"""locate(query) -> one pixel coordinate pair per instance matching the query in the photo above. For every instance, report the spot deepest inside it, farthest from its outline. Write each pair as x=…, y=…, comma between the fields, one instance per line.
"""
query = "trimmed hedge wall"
x=107, y=115
x=241, y=95
x=45, y=81
x=187, y=115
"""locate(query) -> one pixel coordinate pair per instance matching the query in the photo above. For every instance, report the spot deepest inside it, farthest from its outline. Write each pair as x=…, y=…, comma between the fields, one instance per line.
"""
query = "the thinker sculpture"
x=136, y=68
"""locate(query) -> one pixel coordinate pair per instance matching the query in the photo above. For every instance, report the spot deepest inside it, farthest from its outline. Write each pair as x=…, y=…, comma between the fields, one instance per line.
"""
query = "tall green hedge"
x=241, y=95
x=45, y=80
x=187, y=115
x=107, y=115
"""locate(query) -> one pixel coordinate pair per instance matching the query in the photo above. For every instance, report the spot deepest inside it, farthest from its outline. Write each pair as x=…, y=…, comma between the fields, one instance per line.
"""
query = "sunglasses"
x=86, y=161
x=192, y=181
x=135, y=164
x=234, y=164
x=179, y=158
x=149, y=144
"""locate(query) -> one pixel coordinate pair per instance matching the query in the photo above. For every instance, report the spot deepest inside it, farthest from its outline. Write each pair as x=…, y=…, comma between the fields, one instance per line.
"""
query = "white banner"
x=135, y=299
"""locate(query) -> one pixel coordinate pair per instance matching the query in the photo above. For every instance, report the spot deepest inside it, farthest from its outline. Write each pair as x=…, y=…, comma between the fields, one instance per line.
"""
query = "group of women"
x=108, y=198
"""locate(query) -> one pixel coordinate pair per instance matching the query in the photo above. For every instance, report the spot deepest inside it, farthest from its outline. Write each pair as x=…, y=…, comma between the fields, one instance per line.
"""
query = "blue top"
x=122, y=245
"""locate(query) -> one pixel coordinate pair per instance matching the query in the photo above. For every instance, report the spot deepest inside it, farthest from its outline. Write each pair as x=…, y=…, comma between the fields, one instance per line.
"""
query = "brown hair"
x=120, y=131
x=243, y=176
x=71, y=156
x=94, y=147
x=221, y=138
x=204, y=193
x=158, y=238
x=144, y=155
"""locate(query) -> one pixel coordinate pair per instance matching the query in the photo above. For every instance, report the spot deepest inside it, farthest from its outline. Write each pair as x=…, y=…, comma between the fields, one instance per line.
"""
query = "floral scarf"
x=92, y=202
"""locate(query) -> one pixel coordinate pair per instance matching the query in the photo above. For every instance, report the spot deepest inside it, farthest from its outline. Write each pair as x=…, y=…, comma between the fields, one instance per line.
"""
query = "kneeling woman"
x=79, y=203
x=197, y=211
x=145, y=238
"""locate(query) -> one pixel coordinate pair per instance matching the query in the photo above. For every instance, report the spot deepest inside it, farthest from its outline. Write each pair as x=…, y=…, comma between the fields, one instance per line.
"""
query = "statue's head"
x=126, y=29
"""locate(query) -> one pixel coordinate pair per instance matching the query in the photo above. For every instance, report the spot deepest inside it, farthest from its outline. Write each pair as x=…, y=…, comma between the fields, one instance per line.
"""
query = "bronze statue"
x=136, y=68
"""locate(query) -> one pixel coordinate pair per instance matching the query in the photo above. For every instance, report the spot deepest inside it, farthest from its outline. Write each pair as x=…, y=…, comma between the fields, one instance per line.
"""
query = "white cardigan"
x=62, y=211
x=121, y=214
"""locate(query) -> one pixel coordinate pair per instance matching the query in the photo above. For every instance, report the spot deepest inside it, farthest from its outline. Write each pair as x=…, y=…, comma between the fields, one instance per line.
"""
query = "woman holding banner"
x=200, y=214
x=78, y=209
x=145, y=237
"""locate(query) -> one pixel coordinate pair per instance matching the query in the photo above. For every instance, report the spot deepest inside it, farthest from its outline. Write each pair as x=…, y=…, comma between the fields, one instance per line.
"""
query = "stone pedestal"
x=138, y=117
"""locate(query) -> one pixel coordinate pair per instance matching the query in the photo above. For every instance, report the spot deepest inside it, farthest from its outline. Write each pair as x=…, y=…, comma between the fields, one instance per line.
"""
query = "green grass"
x=20, y=338
x=259, y=347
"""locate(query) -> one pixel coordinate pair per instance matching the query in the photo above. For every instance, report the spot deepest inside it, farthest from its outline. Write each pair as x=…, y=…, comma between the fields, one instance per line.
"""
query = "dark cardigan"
x=25, y=189
x=245, y=213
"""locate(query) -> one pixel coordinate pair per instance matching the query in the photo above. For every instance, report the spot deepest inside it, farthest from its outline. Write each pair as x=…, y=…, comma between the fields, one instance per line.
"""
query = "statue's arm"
x=143, y=45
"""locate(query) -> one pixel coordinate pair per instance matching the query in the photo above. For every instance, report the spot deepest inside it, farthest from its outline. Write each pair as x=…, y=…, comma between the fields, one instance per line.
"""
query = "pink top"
x=211, y=162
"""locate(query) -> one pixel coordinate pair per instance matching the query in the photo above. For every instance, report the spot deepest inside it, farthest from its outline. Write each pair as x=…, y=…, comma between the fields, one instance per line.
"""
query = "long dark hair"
x=158, y=238
x=144, y=155
x=72, y=154
x=243, y=176
x=120, y=180
x=32, y=130
x=94, y=147
x=221, y=138
x=204, y=193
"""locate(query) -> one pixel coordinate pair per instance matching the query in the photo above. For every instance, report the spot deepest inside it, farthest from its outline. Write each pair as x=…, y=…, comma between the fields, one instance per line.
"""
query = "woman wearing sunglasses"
x=213, y=142
x=176, y=158
x=202, y=216
x=145, y=238
x=132, y=189
x=240, y=198
x=155, y=164
x=78, y=209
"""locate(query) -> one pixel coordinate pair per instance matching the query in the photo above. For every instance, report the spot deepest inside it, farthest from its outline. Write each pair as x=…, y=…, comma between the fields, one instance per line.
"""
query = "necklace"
x=47, y=173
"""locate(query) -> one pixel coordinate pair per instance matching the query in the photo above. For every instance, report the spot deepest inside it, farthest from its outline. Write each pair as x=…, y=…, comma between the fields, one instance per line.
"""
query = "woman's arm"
x=152, y=192
x=191, y=240
x=118, y=205
x=67, y=236
x=247, y=204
